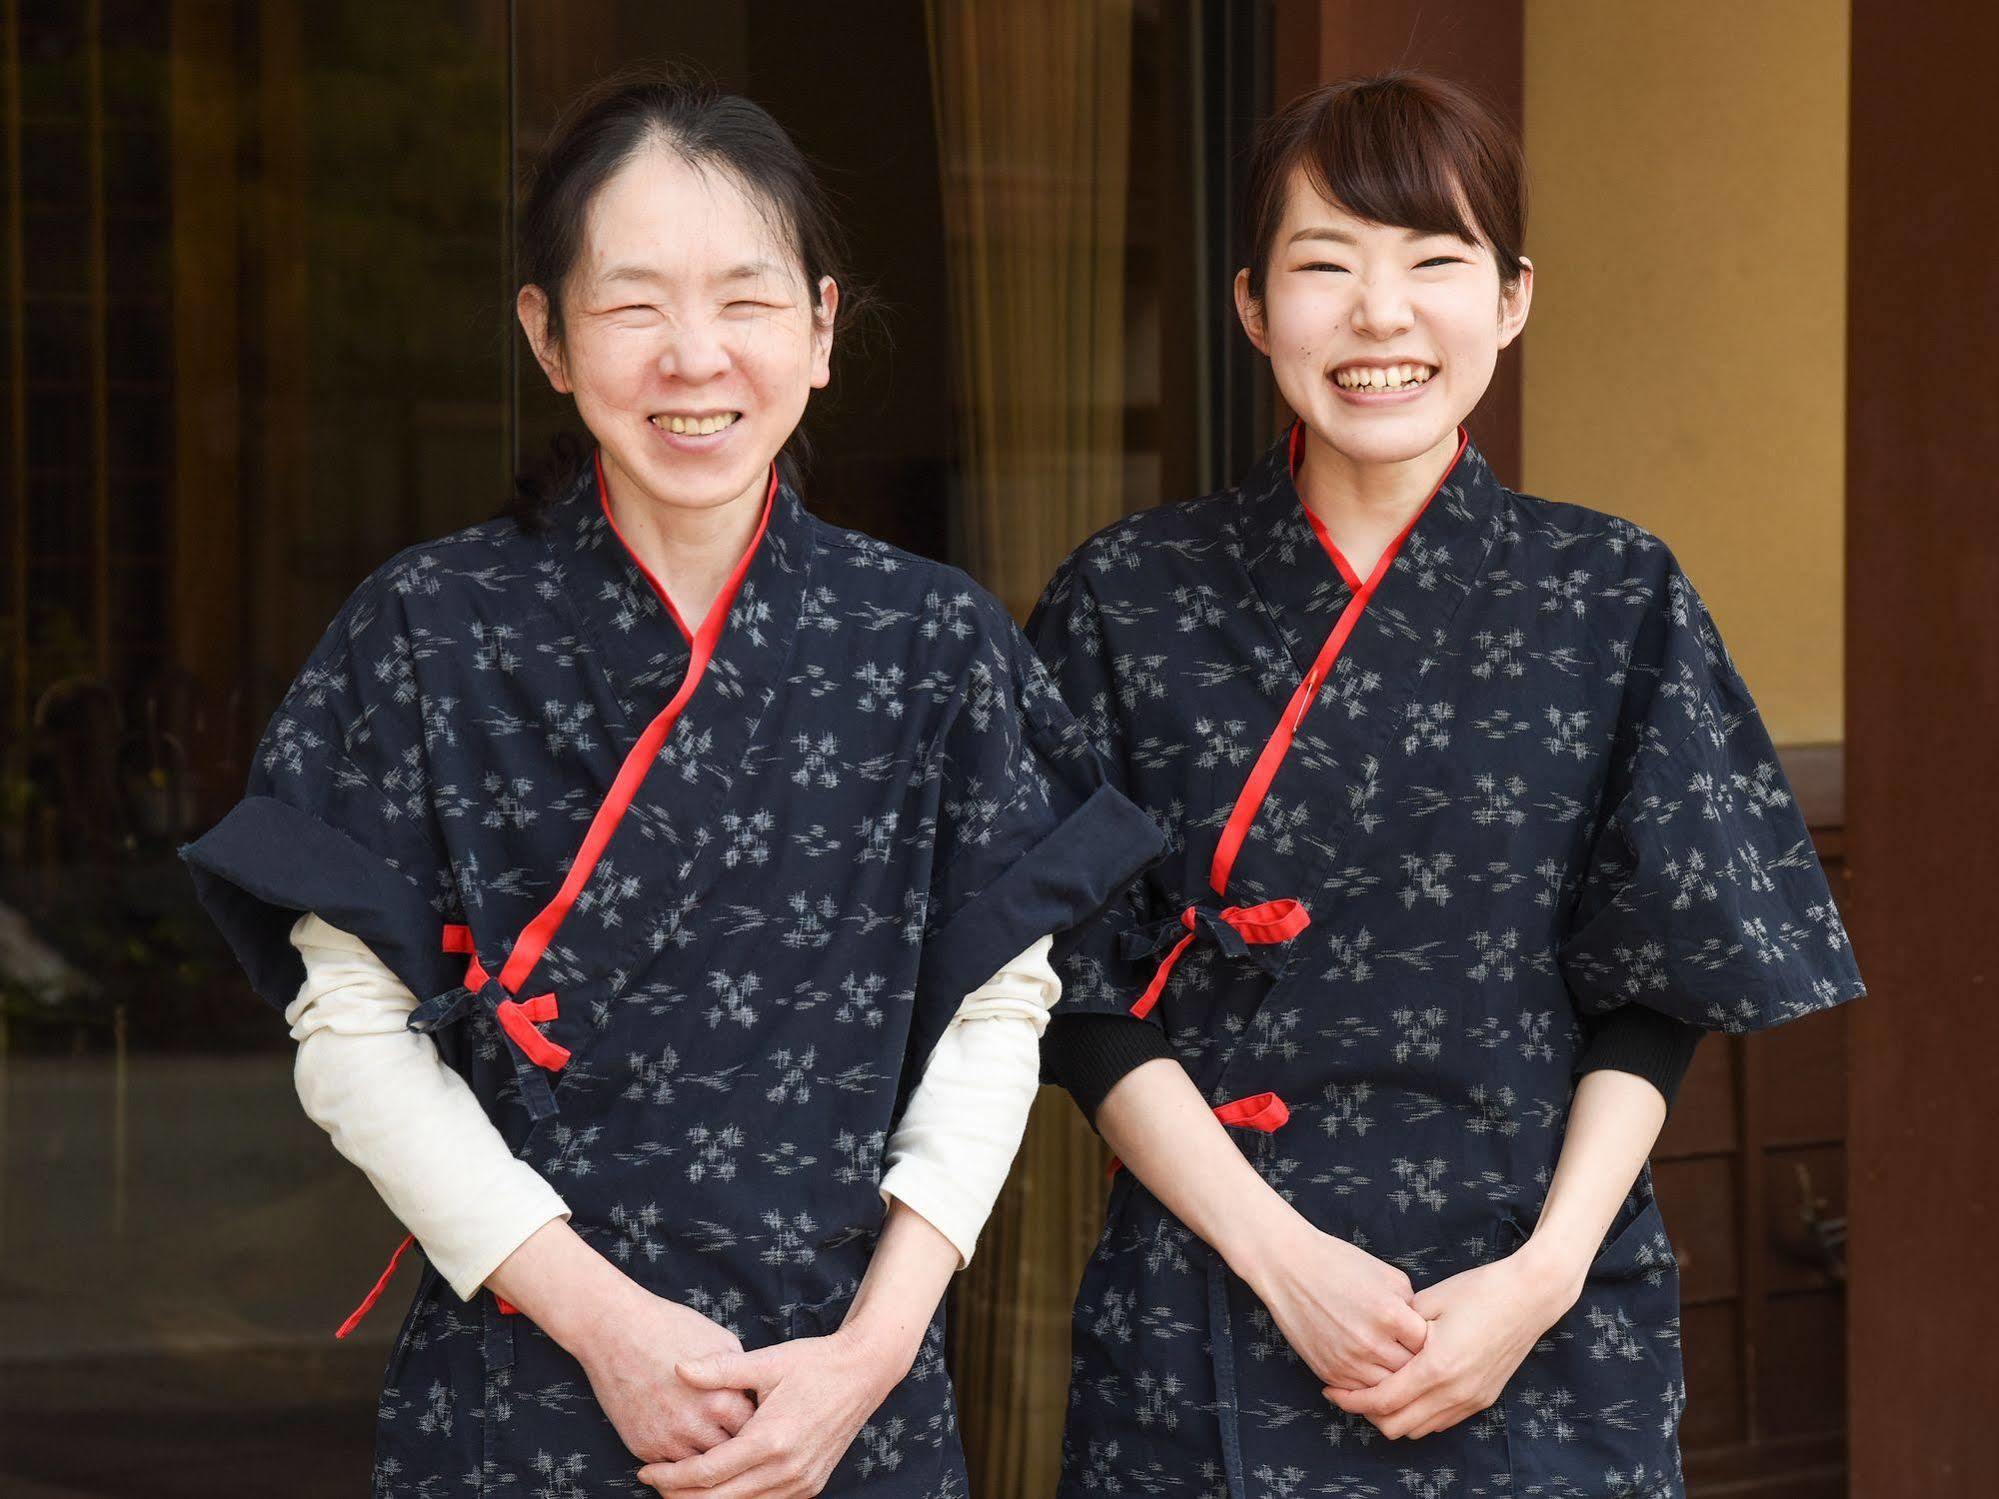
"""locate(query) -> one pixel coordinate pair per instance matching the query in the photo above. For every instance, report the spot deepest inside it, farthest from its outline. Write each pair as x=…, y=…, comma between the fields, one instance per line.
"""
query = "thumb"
x=759, y=1370
x=1428, y=1304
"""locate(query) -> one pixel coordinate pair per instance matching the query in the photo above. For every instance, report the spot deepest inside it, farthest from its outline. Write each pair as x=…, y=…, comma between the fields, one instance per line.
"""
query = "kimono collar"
x=1303, y=587
x=640, y=637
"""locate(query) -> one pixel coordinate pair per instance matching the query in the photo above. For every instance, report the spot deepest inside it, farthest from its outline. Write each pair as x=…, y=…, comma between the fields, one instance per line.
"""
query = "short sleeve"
x=1703, y=897
x=339, y=817
x=1066, y=628
x=1032, y=837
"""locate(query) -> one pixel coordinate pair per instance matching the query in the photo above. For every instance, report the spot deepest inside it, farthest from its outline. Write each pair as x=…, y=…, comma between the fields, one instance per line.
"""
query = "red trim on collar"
x=1295, y=458
x=604, y=503
x=1257, y=787
x=519, y=1018
x=537, y=934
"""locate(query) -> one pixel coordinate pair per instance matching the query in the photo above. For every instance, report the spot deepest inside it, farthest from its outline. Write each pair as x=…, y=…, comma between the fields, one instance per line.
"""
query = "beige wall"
x=1685, y=360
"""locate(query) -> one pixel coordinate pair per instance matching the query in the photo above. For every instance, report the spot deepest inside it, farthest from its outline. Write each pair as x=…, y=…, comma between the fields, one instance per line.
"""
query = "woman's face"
x=1382, y=339
x=690, y=339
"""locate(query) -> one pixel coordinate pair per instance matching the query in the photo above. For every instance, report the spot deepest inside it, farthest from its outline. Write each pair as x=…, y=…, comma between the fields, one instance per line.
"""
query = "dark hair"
x=685, y=111
x=1402, y=148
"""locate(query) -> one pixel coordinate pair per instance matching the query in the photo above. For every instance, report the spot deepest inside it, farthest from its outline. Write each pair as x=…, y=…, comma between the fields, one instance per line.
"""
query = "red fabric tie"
x=1272, y=922
x=518, y=1019
x=381, y=1284
x=1265, y=1113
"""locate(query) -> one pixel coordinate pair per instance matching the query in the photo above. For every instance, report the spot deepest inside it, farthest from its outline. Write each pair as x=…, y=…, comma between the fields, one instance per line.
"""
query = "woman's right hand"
x=1342, y=1310
x=627, y=1340
x=629, y=1357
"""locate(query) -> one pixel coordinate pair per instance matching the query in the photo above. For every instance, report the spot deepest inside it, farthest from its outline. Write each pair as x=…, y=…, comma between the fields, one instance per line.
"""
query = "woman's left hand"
x=1483, y=1322
x=813, y=1396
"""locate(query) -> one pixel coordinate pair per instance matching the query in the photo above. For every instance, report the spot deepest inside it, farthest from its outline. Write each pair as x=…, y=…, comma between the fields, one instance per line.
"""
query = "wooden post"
x=1922, y=716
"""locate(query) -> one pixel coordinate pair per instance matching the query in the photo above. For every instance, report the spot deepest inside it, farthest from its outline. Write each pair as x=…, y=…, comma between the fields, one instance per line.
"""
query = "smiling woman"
x=485, y=882
x=682, y=281
x=1424, y=780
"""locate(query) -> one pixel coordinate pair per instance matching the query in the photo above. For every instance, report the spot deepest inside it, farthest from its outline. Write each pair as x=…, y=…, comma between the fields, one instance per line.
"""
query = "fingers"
x=779, y=1475
x=1353, y=1374
x=729, y=1409
x=1411, y=1327
x=1432, y=1412
x=725, y=1460
x=1406, y=1421
x=1389, y=1351
x=1353, y=1402
x=677, y=1447
x=757, y=1371
x=703, y=1436
x=1387, y=1397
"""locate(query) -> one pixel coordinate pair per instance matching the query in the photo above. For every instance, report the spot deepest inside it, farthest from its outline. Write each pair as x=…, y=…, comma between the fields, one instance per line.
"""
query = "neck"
x=1365, y=506
x=690, y=550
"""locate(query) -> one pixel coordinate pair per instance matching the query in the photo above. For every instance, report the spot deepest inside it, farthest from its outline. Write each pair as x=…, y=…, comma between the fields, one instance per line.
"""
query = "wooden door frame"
x=1922, y=695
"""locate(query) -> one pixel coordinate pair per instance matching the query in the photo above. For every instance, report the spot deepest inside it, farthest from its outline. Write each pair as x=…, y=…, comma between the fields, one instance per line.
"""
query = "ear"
x=1513, y=304
x=531, y=307
x=823, y=316
x=1249, y=312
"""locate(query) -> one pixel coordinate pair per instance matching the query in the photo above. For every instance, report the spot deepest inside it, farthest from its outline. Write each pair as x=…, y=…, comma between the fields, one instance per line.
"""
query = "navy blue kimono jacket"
x=1418, y=824
x=687, y=910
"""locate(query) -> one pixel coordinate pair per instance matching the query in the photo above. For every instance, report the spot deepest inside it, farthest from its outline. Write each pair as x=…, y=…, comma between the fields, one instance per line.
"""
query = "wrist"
x=1556, y=1267
x=1260, y=1241
x=576, y=1296
x=884, y=1351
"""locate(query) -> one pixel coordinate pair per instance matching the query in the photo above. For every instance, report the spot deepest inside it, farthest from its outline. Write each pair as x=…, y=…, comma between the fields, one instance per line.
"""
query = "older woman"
x=642, y=872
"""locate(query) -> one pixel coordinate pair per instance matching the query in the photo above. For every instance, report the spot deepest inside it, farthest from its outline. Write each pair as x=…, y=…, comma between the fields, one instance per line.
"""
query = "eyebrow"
x=1341, y=237
x=749, y=270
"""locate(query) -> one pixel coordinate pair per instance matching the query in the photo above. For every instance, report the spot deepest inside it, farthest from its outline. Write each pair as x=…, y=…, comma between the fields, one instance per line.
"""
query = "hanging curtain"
x=1033, y=101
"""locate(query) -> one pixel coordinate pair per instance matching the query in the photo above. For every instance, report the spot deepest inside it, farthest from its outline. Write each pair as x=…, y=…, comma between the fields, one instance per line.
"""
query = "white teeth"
x=1383, y=377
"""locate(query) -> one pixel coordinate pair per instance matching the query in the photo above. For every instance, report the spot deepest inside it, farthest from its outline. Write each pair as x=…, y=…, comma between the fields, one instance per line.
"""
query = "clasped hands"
x=708, y=1419
x=1411, y=1362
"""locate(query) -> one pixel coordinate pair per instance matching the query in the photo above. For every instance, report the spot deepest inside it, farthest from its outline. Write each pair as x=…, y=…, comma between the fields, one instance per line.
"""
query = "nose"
x=694, y=352
x=1381, y=307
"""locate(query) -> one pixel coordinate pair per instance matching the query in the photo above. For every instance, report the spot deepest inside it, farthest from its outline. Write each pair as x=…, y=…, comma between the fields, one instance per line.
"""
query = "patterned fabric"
x=1532, y=788
x=873, y=799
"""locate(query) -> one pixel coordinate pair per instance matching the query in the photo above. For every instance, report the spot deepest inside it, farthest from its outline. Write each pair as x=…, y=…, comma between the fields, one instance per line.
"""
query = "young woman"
x=1460, y=787
x=641, y=874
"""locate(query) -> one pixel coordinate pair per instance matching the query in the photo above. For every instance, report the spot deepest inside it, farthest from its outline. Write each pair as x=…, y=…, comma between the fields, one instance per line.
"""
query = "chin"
x=1382, y=442
x=698, y=485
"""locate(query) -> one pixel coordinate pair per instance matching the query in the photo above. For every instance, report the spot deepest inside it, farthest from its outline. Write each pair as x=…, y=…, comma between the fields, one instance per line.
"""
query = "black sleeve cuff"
x=1090, y=1054
x=1642, y=1042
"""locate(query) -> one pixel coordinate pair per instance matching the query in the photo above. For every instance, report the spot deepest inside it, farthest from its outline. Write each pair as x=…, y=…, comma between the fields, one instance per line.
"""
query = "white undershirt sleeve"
x=950, y=1153
x=407, y=1120
x=416, y=1130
